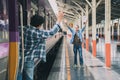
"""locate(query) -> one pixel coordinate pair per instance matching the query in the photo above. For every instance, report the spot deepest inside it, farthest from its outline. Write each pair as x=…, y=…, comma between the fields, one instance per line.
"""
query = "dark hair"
x=36, y=20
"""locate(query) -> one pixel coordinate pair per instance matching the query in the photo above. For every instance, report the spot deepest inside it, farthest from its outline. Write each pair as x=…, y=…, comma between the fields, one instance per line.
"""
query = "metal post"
x=79, y=21
x=82, y=14
x=82, y=19
x=46, y=20
x=87, y=37
x=94, y=27
x=13, y=39
x=44, y=25
x=101, y=30
x=98, y=29
x=112, y=30
x=51, y=21
x=107, y=32
x=118, y=30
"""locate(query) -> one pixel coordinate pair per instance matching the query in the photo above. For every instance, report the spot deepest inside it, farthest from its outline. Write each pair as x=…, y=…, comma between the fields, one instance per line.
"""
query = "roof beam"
x=68, y=12
x=76, y=11
x=79, y=6
x=89, y=3
x=98, y=3
x=70, y=17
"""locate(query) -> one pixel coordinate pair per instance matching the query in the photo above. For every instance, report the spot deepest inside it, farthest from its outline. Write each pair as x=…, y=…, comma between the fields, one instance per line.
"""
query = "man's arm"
x=70, y=29
x=53, y=31
x=56, y=27
x=83, y=28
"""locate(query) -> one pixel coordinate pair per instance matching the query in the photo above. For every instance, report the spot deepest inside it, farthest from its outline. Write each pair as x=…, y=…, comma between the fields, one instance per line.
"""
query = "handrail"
x=21, y=20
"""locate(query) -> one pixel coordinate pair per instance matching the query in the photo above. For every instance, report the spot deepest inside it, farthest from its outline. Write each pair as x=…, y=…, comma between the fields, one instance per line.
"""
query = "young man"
x=76, y=40
x=34, y=44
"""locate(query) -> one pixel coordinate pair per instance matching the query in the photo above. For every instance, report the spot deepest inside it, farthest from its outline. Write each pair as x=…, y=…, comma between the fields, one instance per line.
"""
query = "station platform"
x=115, y=53
x=93, y=69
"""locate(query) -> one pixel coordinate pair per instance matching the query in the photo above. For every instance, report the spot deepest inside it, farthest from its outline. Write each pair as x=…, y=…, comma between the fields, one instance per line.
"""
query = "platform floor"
x=79, y=73
x=115, y=53
x=63, y=66
x=94, y=68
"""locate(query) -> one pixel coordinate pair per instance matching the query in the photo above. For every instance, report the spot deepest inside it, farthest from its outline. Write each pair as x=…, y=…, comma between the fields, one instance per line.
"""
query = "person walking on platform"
x=34, y=44
x=76, y=40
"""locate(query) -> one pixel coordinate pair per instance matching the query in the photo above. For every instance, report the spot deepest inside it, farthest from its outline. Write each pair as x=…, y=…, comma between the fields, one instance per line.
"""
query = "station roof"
x=72, y=10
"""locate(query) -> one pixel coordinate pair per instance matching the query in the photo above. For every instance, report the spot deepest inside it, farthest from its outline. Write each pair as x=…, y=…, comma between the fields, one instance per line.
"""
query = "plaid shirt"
x=34, y=42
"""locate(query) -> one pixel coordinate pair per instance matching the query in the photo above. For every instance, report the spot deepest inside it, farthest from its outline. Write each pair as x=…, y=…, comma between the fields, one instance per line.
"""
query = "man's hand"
x=60, y=16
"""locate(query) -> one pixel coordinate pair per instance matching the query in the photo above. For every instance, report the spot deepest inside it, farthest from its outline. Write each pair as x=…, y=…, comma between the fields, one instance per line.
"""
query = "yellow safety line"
x=67, y=61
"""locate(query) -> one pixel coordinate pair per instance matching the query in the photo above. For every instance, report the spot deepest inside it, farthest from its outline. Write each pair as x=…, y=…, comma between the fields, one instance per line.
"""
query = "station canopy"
x=72, y=9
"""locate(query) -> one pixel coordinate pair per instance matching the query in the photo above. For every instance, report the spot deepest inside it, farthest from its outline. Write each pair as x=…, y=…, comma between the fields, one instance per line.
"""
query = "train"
x=14, y=13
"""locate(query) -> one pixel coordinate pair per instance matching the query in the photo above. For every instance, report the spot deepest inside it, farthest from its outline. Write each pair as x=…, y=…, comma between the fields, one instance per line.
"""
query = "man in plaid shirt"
x=34, y=44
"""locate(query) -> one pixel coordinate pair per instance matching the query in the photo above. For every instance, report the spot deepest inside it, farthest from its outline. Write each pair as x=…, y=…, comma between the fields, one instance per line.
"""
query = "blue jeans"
x=28, y=71
x=79, y=49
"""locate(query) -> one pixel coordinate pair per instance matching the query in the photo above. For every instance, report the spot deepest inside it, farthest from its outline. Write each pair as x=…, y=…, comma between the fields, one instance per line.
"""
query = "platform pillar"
x=107, y=33
x=94, y=27
x=13, y=40
x=118, y=30
x=112, y=30
x=87, y=37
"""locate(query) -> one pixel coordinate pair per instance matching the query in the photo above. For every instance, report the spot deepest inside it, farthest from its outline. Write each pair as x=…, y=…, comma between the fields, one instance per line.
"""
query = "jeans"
x=28, y=71
x=79, y=49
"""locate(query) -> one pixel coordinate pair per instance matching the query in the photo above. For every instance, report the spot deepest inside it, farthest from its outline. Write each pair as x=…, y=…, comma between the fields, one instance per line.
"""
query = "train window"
x=4, y=38
x=3, y=22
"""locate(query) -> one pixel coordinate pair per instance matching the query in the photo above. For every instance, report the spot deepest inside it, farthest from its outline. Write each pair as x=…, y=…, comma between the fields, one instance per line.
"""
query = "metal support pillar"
x=51, y=22
x=101, y=30
x=98, y=29
x=94, y=27
x=87, y=35
x=46, y=20
x=82, y=14
x=118, y=30
x=112, y=30
x=13, y=39
x=44, y=25
x=79, y=20
x=107, y=32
